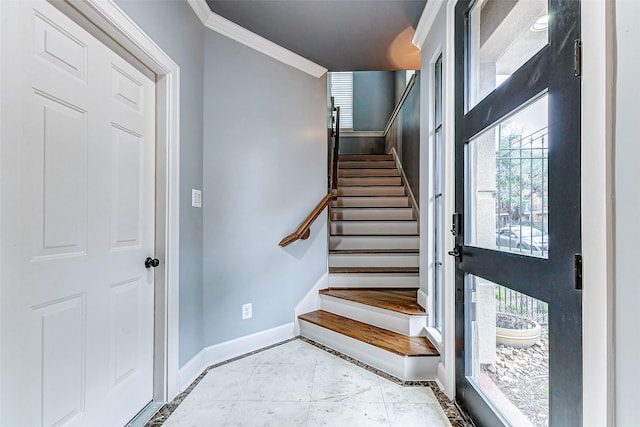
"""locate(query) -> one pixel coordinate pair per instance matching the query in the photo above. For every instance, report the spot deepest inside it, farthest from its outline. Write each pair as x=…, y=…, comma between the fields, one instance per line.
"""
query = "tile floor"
x=299, y=384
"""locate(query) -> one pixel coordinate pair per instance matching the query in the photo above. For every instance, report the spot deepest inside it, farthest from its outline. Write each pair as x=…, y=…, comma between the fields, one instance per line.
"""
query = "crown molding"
x=427, y=18
x=240, y=34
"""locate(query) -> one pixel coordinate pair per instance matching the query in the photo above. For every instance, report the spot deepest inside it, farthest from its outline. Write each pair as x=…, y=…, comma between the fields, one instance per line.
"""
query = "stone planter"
x=516, y=331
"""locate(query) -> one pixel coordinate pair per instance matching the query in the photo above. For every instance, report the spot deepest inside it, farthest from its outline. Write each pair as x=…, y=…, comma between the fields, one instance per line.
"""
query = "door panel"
x=78, y=185
x=518, y=196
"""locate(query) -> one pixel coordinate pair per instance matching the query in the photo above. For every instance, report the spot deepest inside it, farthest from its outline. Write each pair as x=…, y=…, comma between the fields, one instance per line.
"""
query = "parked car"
x=522, y=238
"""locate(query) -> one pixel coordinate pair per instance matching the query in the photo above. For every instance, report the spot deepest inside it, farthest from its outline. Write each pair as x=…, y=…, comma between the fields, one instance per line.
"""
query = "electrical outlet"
x=247, y=311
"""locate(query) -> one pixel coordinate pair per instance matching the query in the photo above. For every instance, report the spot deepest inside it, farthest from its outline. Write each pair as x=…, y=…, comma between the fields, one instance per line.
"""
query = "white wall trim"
x=107, y=16
x=229, y=349
x=447, y=367
x=235, y=32
x=431, y=10
x=310, y=302
x=423, y=299
x=598, y=98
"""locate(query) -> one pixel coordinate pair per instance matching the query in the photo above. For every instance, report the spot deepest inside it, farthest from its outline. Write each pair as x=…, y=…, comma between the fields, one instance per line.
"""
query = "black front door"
x=517, y=227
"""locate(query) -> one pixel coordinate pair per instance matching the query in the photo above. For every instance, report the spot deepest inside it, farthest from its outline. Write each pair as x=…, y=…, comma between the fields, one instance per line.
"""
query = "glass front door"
x=517, y=227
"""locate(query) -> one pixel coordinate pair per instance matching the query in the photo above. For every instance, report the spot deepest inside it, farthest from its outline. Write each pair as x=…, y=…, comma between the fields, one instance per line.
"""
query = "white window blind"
x=342, y=92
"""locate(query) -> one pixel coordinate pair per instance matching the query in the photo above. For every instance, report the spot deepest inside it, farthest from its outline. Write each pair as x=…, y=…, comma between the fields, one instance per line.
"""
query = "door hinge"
x=577, y=57
x=578, y=269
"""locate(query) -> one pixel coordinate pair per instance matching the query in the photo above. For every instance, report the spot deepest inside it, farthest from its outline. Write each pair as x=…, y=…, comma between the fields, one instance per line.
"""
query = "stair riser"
x=368, y=172
x=374, y=227
x=347, y=202
x=364, y=181
x=374, y=242
x=421, y=368
x=387, y=164
x=374, y=260
x=411, y=325
x=374, y=280
x=371, y=214
x=365, y=157
x=394, y=190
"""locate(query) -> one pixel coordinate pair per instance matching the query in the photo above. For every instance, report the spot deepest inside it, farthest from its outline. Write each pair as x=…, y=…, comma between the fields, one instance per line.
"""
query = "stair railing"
x=304, y=230
x=336, y=149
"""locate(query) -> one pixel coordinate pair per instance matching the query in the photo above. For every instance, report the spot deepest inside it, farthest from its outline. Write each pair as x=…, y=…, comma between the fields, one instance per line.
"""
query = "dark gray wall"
x=410, y=134
x=173, y=25
x=265, y=157
x=373, y=99
x=400, y=81
x=362, y=145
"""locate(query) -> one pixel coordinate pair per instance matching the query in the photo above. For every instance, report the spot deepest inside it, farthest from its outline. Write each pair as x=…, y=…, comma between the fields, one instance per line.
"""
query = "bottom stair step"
x=355, y=270
x=408, y=358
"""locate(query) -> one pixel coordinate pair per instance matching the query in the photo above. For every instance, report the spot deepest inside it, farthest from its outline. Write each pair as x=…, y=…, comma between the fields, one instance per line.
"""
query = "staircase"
x=370, y=310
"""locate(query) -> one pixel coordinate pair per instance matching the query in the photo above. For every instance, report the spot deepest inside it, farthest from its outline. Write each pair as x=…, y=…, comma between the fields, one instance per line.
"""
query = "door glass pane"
x=507, y=333
x=508, y=182
x=503, y=35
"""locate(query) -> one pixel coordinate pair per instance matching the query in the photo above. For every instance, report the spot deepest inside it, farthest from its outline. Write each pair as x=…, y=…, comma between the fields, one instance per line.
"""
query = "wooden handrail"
x=396, y=110
x=304, y=231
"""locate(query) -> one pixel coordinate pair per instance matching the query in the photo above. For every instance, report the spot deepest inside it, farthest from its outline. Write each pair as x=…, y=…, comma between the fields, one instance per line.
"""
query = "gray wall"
x=627, y=236
x=173, y=25
x=373, y=99
x=410, y=134
x=362, y=144
x=265, y=157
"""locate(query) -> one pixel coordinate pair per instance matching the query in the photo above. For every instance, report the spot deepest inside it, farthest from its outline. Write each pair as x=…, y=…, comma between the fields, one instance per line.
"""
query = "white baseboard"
x=310, y=302
x=423, y=299
x=228, y=350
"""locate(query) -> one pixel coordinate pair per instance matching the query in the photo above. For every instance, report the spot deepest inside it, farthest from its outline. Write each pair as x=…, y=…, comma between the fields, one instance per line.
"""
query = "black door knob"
x=151, y=262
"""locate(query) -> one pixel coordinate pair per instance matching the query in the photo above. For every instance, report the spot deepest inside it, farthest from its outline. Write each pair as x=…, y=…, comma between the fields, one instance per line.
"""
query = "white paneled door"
x=77, y=223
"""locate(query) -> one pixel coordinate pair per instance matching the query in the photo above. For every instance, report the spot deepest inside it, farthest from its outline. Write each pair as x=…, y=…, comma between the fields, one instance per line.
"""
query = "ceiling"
x=340, y=35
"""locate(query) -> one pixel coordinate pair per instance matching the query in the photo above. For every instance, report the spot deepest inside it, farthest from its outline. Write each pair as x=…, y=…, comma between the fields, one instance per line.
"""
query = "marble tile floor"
x=299, y=383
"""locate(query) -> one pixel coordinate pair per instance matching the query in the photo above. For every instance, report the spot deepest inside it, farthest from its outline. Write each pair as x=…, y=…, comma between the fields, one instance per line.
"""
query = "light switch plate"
x=247, y=311
x=196, y=198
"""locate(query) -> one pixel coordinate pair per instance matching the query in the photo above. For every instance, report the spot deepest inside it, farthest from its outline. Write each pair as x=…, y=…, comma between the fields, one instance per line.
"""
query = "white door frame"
x=108, y=17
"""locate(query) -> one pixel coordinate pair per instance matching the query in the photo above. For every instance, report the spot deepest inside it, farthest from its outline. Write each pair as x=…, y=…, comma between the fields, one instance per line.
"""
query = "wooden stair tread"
x=368, y=164
x=399, y=300
x=356, y=270
x=369, y=157
x=374, y=251
x=387, y=340
x=399, y=196
x=378, y=235
x=374, y=220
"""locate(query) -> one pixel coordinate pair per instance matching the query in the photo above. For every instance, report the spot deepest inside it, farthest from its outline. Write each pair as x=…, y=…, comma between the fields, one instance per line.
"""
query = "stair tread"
x=381, y=338
x=399, y=196
x=370, y=157
x=368, y=164
x=386, y=236
x=356, y=270
x=374, y=220
x=401, y=300
x=374, y=251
